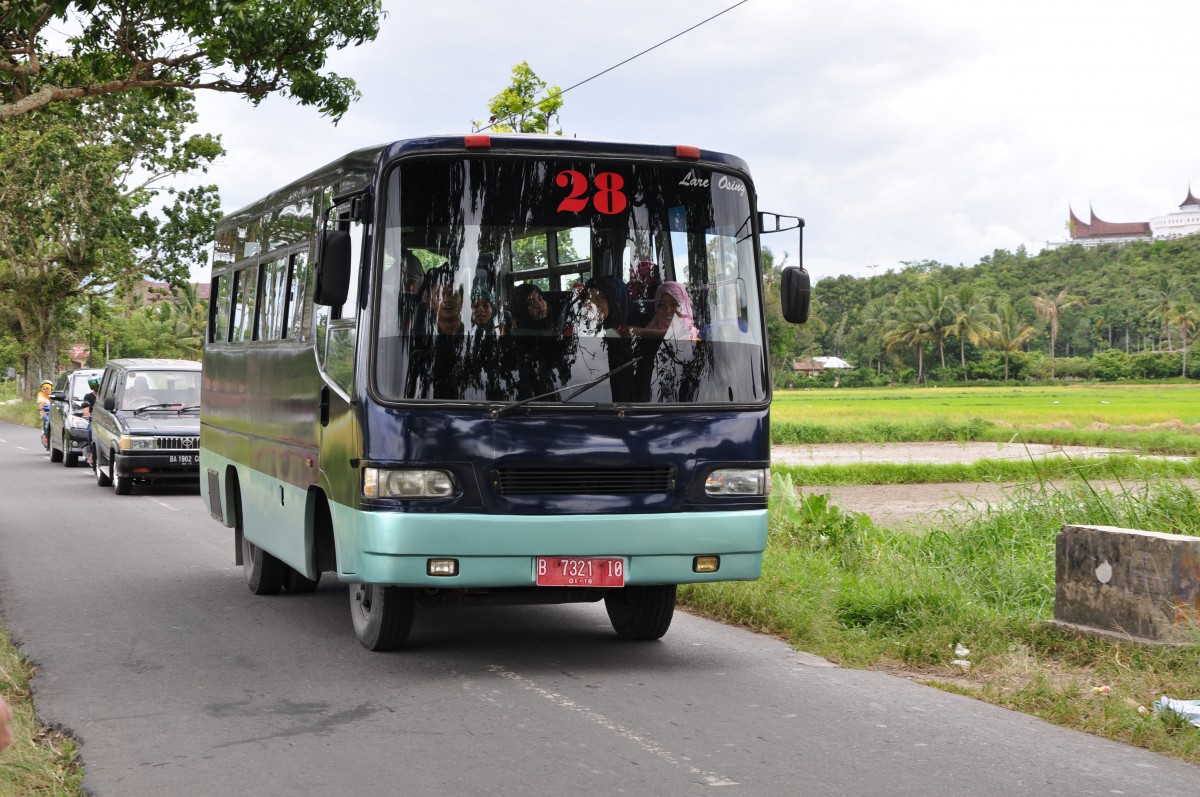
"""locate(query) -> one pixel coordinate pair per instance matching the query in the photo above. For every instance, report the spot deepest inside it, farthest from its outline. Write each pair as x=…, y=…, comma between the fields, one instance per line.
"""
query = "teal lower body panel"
x=393, y=548
x=273, y=511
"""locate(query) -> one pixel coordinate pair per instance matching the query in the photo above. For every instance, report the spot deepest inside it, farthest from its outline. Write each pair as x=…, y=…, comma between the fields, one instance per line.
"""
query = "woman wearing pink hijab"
x=672, y=315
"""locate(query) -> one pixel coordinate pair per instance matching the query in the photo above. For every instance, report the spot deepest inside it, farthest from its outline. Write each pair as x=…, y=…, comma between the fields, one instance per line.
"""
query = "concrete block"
x=1140, y=585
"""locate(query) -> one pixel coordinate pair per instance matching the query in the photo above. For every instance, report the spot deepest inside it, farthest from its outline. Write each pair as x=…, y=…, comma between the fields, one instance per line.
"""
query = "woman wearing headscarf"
x=673, y=317
x=530, y=311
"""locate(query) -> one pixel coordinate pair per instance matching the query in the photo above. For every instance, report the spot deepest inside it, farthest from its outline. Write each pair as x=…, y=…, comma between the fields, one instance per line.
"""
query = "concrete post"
x=1128, y=584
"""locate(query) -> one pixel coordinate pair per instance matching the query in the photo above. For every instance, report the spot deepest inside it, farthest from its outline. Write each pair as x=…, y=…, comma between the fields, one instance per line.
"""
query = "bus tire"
x=101, y=477
x=382, y=616
x=641, y=612
x=297, y=583
x=264, y=573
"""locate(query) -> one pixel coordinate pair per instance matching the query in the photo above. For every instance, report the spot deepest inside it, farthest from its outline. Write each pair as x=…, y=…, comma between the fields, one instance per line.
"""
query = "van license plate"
x=563, y=571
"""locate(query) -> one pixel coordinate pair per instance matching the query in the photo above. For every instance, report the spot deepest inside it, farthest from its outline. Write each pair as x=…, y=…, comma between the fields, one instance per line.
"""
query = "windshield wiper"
x=169, y=406
x=496, y=413
x=182, y=410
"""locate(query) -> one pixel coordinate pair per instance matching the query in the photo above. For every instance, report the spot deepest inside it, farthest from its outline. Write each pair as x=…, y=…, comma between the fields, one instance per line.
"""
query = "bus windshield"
x=579, y=282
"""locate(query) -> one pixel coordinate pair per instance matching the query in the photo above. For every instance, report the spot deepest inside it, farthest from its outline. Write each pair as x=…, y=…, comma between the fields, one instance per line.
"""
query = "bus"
x=484, y=369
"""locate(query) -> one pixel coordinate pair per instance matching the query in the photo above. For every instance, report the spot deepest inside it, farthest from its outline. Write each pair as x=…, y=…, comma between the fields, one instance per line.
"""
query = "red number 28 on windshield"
x=607, y=197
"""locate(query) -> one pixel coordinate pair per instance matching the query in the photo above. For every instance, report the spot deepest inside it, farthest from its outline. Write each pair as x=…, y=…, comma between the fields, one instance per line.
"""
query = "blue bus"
x=495, y=369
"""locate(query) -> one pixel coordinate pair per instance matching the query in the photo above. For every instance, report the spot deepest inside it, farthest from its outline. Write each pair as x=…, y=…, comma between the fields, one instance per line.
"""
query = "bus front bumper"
x=395, y=548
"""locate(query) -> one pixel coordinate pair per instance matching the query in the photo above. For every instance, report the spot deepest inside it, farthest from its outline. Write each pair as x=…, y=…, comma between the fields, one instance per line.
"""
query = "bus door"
x=337, y=339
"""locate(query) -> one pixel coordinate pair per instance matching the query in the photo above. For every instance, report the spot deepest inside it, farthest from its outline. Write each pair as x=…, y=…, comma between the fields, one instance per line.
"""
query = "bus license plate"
x=562, y=571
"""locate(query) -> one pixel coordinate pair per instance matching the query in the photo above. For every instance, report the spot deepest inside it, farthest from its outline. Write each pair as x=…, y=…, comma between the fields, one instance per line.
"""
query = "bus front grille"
x=185, y=443
x=582, y=481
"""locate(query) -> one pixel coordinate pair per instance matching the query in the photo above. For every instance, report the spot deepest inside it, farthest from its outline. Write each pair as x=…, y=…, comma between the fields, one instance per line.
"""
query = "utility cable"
x=614, y=66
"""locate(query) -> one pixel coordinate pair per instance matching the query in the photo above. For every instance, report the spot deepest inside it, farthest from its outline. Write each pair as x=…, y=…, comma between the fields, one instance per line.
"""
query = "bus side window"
x=218, y=322
x=300, y=300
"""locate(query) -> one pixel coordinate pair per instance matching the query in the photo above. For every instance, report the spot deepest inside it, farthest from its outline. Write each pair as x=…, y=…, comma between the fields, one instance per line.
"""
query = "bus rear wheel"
x=641, y=612
x=296, y=582
x=264, y=573
x=382, y=616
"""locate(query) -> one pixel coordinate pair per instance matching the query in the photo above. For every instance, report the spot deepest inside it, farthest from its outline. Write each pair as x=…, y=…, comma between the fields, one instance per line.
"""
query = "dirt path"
x=923, y=504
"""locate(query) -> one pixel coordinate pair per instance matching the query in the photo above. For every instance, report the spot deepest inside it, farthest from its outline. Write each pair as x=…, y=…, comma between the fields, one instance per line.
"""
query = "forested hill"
x=1136, y=297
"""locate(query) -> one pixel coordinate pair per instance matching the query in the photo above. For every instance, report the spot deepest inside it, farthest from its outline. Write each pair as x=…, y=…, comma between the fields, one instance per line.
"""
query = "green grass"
x=23, y=413
x=837, y=585
x=1162, y=419
x=40, y=762
x=1107, y=468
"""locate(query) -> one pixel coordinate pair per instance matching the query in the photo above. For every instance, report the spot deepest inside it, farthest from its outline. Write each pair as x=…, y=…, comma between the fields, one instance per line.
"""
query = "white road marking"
x=22, y=448
x=641, y=740
x=168, y=506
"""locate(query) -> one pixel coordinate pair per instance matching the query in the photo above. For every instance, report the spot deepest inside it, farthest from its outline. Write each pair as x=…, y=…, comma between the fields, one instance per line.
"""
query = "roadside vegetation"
x=976, y=590
x=40, y=762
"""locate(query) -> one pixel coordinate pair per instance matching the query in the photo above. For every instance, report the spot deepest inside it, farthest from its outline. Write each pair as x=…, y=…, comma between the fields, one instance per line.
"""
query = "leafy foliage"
x=1134, y=299
x=249, y=47
x=88, y=208
x=527, y=105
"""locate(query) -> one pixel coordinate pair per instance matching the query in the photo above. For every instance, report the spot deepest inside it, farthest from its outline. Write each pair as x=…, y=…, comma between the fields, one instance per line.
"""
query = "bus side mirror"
x=333, y=268
x=795, y=294
x=109, y=403
x=58, y=395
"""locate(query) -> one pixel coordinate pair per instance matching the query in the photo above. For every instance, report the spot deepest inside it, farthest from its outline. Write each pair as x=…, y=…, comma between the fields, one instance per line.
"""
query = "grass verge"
x=1113, y=467
x=41, y=762
x=839, y=586
x=1149, y=441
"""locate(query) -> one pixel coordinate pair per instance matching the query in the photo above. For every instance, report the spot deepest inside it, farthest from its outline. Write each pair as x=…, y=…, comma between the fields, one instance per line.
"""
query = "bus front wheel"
x=641, y=612
x=382, y=616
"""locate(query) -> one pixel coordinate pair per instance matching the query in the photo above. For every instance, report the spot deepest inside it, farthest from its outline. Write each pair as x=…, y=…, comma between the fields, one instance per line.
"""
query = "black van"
x=146, y=425
x=68, y=427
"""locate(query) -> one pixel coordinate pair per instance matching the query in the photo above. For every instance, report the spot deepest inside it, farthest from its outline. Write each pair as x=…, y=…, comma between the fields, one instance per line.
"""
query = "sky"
x=901, y=130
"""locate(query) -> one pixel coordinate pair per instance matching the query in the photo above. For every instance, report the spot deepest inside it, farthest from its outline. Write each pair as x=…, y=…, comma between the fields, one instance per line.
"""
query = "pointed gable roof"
x=1191, y=200
x=1097, y=227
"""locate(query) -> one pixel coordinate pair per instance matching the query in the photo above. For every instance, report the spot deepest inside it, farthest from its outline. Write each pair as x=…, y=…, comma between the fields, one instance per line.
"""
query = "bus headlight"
x=407, y=483
x=737, y=481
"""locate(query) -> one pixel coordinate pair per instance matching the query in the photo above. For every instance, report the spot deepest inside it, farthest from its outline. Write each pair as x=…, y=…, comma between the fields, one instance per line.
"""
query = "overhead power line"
x=627, y=60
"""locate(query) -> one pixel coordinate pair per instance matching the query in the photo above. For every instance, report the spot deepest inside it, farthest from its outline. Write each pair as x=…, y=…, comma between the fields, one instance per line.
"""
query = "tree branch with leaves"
x=248, y=47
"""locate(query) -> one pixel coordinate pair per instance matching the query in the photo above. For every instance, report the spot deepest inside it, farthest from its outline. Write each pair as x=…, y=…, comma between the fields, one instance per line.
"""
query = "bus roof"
x=353, y=171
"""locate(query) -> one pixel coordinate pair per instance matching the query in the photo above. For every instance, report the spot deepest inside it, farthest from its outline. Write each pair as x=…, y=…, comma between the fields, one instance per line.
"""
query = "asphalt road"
x=178, y=681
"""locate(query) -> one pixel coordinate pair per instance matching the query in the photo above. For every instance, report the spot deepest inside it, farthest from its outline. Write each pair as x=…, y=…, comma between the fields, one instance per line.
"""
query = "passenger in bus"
x=604, y=307
x=446, y=304
x=483, y=309
x=424, y=316
x=673, y=319
x=530, y=311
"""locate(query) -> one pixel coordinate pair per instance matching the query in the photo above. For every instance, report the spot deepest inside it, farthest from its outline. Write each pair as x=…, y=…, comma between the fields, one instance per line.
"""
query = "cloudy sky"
x=901, y=130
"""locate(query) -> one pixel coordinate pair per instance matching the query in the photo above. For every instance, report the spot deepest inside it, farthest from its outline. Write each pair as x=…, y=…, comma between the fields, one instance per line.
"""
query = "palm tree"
x=1157, y=303
x=910, y=325
x=933, y=308
x=1051, y=308
x=973, y=320
x=1009, y=334
x=1186, y=318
